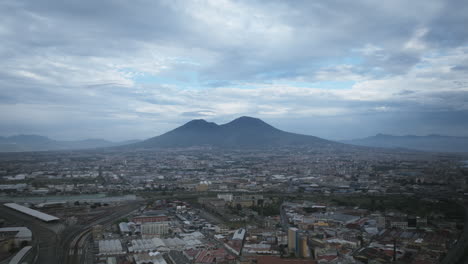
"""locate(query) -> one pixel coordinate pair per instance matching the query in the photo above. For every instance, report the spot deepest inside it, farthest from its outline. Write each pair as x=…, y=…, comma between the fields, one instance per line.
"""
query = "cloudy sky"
x=135, y=69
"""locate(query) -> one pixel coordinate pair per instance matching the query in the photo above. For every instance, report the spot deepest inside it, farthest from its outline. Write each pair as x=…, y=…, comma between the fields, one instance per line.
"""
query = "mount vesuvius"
x=243, y=132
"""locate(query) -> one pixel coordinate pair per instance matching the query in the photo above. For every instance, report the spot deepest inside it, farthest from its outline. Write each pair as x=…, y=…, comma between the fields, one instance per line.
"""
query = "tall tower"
x=302, y=249
x=292, y=239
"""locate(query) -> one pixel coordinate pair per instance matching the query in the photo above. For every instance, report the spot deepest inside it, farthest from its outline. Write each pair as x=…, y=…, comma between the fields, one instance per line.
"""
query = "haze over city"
x=121, y=70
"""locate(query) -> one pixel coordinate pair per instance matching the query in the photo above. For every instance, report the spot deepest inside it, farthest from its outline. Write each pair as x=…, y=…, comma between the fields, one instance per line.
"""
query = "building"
x=239, y=234
x=292, y=239
x=333, y=218
x=279, y=260
x=31, y=212
x=150, y=257
x=421, y=221
x=18, y=235
x=174, y=243
x=248, y=200
x=203, y=186
x=216, y=204
x=124, y=229
x=151, y=216
x=227, y=197
x=178, y=257
x=302, y=249
x=398, y=222
x=146, y=245
x=381, y=222
x=110, y=247
x=9, y=188
x=149, y=229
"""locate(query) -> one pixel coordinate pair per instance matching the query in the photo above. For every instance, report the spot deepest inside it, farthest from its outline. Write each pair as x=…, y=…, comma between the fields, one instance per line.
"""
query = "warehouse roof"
x=151, y=257
x=140, y=245
x=34, y=213
x=124, y=227
x=113, y=246
x=23, y=232
x=239, y=234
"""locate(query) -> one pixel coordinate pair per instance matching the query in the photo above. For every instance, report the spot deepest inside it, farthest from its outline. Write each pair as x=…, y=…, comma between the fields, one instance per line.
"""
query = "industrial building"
x=151, y=216
x=149, y=229
x=110, y=247
x=145, y=245
x=124, y=229
x=150, y=257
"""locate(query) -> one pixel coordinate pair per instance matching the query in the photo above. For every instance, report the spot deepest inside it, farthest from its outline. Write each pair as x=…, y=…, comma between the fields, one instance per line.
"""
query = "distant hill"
x=435, y=143
x=243, y=132
x=40, y=143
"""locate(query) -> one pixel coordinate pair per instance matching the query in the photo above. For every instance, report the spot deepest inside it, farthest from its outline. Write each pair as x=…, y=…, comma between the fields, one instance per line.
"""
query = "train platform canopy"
x=20, y=255
x=34, y=213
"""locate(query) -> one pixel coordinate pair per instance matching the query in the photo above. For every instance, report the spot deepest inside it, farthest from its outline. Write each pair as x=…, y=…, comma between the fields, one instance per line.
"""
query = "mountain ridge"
x=31, y=142
x=433, y=142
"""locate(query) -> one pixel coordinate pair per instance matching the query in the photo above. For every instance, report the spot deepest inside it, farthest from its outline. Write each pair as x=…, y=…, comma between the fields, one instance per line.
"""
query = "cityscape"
x=233, y=132
x=205, y=204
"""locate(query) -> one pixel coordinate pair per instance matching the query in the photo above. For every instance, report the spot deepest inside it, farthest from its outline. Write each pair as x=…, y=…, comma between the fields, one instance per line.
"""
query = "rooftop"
x=22, y=231
x=31, y=212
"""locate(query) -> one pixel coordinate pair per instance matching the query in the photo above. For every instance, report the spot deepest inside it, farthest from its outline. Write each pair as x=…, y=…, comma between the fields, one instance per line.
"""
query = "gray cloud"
x=448, y=27
x=143, y=67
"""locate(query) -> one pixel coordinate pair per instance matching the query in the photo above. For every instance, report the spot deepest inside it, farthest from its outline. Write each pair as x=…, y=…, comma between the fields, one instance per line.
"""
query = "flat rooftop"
x=34, y=213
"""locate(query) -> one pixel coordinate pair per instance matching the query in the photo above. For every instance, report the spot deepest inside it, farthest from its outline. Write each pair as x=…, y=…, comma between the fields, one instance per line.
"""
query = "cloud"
x=136, y=69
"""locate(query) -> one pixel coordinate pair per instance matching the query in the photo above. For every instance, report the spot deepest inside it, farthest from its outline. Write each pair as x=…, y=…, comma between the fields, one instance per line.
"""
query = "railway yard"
x=66, y=241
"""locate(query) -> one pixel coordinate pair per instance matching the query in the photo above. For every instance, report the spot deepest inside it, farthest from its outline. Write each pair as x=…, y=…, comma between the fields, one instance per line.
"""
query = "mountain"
x=19, y=143
x=243, y=132
x=435, y=143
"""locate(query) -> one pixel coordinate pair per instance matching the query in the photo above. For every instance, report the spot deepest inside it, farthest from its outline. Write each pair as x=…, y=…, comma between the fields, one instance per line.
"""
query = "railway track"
x=77, y=247
x=75, y=250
